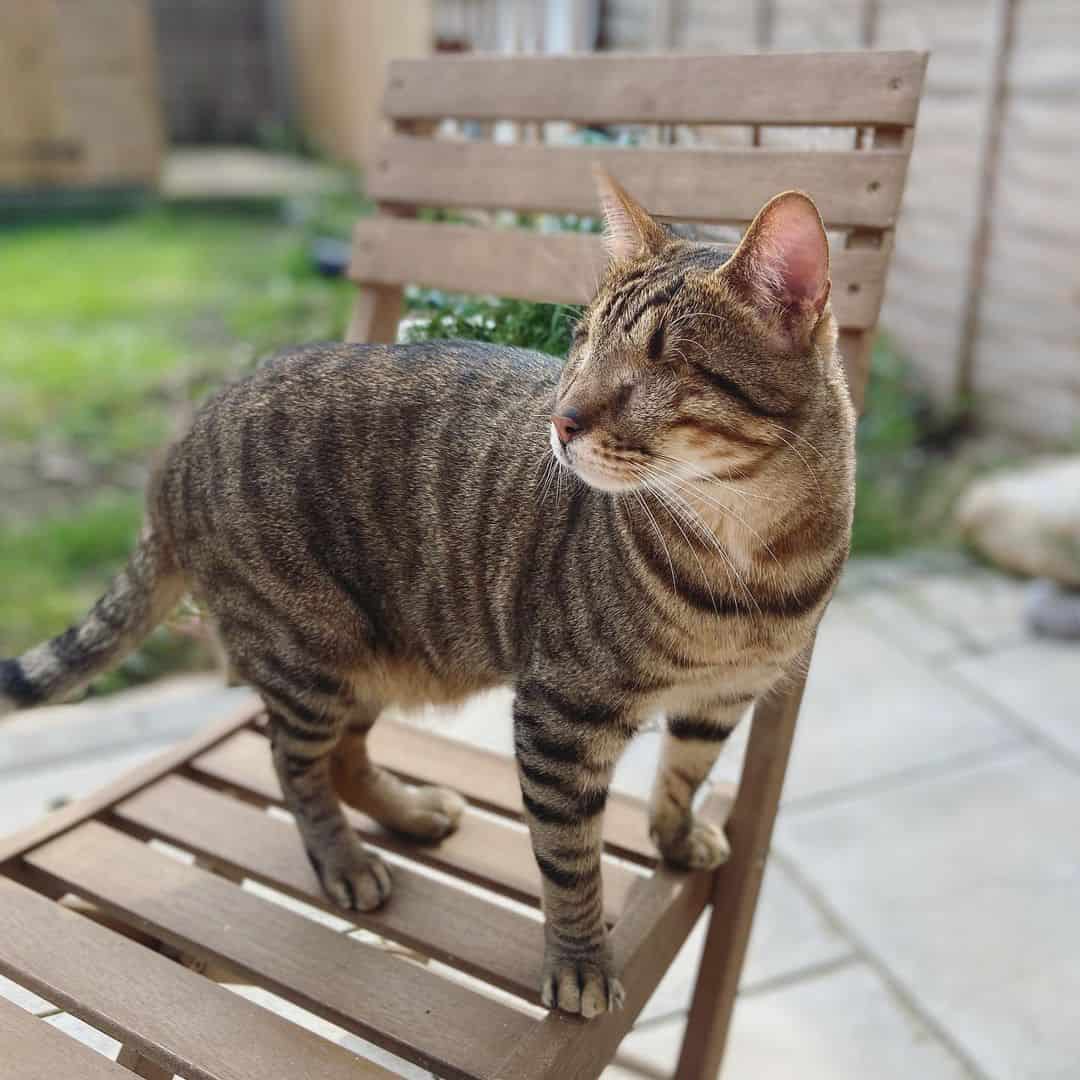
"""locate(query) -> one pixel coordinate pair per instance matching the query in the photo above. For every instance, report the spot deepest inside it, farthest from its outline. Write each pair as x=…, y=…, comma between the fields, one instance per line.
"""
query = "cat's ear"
x=630, y=231
x=782, y=266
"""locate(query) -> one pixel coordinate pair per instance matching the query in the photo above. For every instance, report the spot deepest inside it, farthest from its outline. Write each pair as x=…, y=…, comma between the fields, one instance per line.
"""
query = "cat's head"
x=691, y=359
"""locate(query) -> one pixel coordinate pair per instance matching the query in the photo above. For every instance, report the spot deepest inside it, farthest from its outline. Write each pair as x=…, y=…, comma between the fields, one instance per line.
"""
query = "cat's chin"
x=601, y=479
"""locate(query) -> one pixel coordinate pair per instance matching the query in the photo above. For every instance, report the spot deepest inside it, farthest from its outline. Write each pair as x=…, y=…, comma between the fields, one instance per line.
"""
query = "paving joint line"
x=907, y=998
x=1014, y=719
x=916, y=774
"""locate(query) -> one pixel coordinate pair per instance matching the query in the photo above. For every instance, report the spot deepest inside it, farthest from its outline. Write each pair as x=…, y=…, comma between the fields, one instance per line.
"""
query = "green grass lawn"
x=111, y=328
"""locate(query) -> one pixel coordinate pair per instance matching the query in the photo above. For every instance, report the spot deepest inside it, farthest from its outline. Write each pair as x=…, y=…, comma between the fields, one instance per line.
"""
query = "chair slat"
x=843, y=88
x=30, y=1049
x=436, y=919
x=491, y=853
x=176, y=1018
x=490, y=780
x=560, y=268
x=400, y=1006
x=850, y=187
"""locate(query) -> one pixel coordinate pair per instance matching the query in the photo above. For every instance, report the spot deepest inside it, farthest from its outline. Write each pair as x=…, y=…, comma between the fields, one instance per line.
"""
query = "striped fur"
x=388, y=525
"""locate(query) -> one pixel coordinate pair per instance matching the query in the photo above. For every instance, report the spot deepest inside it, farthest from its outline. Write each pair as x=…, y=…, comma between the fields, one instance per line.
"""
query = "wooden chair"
x=122, y=935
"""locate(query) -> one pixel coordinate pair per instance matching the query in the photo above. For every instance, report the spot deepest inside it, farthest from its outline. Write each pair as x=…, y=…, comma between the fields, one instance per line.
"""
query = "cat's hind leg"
x=351, y=875
x=424, y=813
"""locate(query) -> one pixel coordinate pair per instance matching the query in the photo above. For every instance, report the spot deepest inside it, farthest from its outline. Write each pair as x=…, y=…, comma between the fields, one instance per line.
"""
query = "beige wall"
x=1023, y=351
x=340, y=50
x=78, y=94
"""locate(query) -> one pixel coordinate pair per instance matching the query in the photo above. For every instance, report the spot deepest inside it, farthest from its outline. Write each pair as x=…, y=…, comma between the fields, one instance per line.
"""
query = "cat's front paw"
x=583, y=985
x=697, y=845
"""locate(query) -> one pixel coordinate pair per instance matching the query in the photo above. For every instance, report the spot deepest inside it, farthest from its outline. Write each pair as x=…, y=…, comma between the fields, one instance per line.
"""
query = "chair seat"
x=450, y=982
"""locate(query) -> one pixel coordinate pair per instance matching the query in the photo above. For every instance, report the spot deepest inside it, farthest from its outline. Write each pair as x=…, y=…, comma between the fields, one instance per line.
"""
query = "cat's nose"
x=567, y=425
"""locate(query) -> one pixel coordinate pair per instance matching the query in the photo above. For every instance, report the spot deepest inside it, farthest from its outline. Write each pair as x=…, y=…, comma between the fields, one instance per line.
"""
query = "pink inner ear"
x=793, y=252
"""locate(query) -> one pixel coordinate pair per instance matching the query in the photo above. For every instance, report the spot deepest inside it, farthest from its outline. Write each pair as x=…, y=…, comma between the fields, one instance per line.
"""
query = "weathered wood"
x=491, y=781
x=842, y=88
x=561, y=268
x=175, y=1018
x=375, y=314
x=855, y=351
x=135, y=1063
x=30, y=1049
x=424, y=914
x=400, y=1006
x=849, y=187
x=74, y=813
x=1004, y=24
x=644, y=942
x=491, y=853
x=738, y=882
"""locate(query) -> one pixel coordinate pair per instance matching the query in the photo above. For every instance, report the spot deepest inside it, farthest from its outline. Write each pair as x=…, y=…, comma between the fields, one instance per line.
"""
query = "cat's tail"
x=137, y=599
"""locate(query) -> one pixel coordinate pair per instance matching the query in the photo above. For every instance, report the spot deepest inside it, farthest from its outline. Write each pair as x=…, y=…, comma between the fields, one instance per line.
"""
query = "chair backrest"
x=722, y=134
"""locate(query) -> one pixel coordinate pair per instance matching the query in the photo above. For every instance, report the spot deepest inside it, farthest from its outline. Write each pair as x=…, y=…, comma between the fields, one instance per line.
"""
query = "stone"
x=1053, y=610
x=965, y=887
x=1027, y=520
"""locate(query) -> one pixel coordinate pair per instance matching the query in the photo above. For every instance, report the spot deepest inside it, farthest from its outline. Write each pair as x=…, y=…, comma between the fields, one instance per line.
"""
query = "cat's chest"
x=695, y=694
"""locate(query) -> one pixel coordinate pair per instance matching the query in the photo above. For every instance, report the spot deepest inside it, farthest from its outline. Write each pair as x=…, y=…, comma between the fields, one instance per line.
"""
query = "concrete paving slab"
x=967, y=888
x=84, y=1033
x=790, y=936
x=63, y=734
x=908, y=623
x=844, y=1025
x=235, y=172
x=983, y=608
x=24, y=800
x=1038, y=681
x=22, y=997
x=872, y=712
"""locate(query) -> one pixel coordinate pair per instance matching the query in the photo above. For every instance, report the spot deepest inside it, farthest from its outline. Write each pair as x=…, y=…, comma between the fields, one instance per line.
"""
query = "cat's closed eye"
x=655, y=349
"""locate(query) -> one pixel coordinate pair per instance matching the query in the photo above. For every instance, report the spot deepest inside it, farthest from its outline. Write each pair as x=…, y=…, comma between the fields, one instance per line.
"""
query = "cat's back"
x=330, y=423
x=337, y=381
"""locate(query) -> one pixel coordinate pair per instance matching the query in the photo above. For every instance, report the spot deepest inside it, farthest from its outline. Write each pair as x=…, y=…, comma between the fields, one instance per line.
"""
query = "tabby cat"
x=653, y=526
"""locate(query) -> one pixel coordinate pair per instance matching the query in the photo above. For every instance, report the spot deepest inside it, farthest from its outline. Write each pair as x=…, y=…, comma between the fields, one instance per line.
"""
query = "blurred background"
x=178, y=184
x=178, y=177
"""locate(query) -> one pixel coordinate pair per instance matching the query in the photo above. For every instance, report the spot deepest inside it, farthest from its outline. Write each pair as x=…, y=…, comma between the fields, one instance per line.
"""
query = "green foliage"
x=896, y=467
x=544, y=327
x=112, y=325
x=51, y=568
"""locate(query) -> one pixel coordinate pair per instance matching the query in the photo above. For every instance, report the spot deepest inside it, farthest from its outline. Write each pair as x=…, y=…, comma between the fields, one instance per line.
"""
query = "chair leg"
x=375, y=314
x=131, y=1059
x=738, y=882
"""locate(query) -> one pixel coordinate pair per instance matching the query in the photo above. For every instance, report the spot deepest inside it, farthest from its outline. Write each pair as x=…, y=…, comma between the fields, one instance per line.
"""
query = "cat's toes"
x=584, y=987
x=434, y=813
x=353, y=877
x=442, y=800
x=702, y=846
